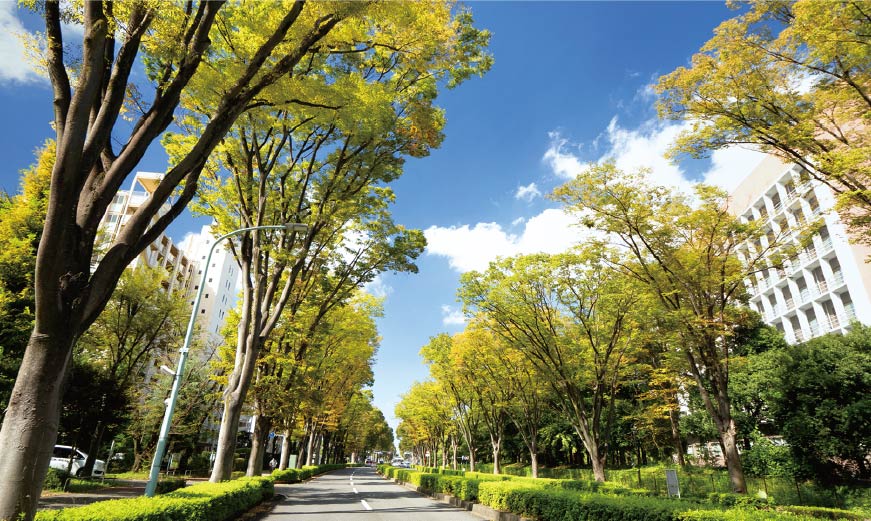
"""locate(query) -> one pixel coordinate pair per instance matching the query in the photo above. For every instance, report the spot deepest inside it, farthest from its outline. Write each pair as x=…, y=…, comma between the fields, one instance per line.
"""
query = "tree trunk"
x=226, y=448
x=497, y=444
x=30, y=426
x=285, y=451
x=262, y=426
x=598, y=461
x=533, y=459
x=454, y=450
x=310, y=447
x=733, y=459
x=93, y=447
x=675, y=437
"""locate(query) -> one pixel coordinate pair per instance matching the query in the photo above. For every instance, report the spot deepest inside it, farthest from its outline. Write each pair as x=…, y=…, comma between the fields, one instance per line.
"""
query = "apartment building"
x=219, y=295
x=828, y=285
x=180, y=268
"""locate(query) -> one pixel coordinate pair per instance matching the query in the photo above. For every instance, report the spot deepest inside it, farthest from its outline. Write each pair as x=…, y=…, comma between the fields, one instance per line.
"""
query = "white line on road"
x=365, y=504
x=355, y=490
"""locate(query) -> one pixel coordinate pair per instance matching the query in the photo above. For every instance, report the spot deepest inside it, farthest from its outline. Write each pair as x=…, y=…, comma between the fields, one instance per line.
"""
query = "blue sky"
x=570, y=84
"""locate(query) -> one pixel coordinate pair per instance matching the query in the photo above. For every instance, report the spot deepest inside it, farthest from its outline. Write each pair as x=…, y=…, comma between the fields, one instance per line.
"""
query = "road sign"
x=672, y=483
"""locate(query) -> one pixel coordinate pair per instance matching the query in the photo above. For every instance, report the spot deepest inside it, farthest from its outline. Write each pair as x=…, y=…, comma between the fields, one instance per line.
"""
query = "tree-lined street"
x=358, y=494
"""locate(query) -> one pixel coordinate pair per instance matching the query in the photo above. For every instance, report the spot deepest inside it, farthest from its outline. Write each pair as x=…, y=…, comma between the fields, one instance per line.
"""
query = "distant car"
x=60, y=459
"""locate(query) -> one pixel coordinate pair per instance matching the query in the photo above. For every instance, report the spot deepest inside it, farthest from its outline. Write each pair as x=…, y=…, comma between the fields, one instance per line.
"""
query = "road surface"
x=359, y=494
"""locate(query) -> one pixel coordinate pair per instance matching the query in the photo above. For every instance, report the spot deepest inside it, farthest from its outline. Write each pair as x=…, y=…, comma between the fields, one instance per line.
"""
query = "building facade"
x=825, y=287
x=162, y=253
x=220, y=293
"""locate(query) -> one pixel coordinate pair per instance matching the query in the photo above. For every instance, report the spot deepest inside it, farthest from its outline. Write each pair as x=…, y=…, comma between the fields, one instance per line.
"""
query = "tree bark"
x=226, y=448
x=285, y=451
x=30, y=426
x=675, y=437
x=533, y=459
x=262, y=426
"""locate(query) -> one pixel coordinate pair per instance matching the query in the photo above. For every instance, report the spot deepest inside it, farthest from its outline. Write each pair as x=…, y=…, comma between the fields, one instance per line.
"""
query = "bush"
x=545, y=504
x=201, y=502
x=738, y=500
x=740, y=514
x=170, y=484
x=823, y=513
x=55, y=479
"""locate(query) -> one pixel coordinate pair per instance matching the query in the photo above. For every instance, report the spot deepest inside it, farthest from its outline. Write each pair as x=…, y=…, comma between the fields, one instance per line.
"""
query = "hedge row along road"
x=359, y=493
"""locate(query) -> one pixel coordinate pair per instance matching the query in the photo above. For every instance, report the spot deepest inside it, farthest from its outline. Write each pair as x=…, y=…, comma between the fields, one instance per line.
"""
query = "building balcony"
x=822, y=287
x=790, y=304
x=834, y=322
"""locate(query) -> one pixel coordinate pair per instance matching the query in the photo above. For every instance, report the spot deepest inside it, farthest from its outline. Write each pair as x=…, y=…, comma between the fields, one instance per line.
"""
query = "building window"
x=210, y=280
x=207, y=295
x=200, y=272
x=203, y=311
x=197, y=286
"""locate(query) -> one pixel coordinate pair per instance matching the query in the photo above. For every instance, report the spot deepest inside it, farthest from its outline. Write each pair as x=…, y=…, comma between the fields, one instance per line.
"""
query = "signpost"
x=672, y=483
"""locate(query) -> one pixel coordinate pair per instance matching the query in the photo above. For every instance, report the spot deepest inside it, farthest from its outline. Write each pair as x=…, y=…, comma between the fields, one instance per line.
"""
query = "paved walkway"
x=356, y=494
x=53, y=501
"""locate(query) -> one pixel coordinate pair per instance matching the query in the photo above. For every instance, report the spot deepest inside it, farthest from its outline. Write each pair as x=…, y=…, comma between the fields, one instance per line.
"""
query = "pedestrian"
x=272, y=464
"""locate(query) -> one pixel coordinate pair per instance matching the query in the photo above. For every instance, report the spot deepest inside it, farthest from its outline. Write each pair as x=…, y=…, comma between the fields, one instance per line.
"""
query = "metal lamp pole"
x=183, y=352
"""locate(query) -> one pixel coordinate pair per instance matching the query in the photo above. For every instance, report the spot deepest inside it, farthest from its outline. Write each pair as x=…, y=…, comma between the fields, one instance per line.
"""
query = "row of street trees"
x=613, y=337
x=789, y=78
x=290, y=112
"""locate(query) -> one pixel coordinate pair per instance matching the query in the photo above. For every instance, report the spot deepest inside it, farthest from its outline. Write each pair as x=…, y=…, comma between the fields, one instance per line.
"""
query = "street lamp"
x=183, y=352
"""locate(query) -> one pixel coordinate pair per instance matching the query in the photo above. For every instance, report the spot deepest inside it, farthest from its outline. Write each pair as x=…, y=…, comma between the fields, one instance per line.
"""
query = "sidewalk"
x=56, y=500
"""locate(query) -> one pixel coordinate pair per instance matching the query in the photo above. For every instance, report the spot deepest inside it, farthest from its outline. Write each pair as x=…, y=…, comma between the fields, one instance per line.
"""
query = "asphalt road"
x=359, y=494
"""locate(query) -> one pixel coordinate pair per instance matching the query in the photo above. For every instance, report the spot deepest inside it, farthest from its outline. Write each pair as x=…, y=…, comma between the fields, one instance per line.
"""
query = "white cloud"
x=645, y=146
x=564, y=164
x=473, y=248
x=15, y=66
x=528, y=192
x=452, y=316
x=518, y=221
x=378, y=288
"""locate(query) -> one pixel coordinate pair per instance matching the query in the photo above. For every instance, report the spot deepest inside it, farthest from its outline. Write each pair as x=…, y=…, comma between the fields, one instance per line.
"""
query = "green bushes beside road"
x=201, y=502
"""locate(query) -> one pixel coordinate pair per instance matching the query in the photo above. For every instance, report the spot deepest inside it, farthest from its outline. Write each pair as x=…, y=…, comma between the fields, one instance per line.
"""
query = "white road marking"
x=365, y=504
x=355, y=491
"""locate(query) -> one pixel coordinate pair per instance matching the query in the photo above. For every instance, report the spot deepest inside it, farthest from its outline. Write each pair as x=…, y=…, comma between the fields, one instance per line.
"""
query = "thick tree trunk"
x=262, y=426
x=497, y=444
x=533, y=459
x=30, y=426
x=310, y=447
x=675, y=436
x=598, y=461
x=729, y=445
x=226, y=449
x=285, y=451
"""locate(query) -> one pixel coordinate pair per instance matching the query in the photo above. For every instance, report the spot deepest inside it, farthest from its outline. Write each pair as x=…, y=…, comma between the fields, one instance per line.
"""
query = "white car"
x=60, y=459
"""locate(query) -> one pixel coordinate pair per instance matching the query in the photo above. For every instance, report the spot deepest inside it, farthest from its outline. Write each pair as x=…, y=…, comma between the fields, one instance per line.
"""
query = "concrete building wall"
x=825, y=287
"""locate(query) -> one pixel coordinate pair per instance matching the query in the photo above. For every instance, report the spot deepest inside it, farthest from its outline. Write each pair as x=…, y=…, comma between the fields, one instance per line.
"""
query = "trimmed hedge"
x=304, y=473
x=169, y=484
x=563, y=505
x=201, y=502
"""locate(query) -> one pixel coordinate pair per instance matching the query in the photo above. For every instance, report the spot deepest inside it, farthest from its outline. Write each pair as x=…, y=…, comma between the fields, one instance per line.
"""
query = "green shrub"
x=823, y=513
x=169, y=484
x=546, y=504
x=738, y=500
x=740, y=514
x=54, y=479
x=201, y=502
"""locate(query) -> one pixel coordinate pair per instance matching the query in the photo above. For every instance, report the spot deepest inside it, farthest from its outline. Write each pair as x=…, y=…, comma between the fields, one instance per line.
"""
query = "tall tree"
x=21, y=220
x=325, y=157
x=140, y=321
x=173, y=40
x=687, y=256
x=576, y=320
x=791, y=78
x=438, y=354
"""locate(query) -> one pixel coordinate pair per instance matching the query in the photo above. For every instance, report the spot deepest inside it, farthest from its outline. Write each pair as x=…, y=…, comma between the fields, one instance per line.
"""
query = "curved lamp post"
x=183, y=352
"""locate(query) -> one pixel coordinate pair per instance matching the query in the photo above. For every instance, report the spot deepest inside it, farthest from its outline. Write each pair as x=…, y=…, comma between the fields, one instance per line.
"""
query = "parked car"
x=60, y=459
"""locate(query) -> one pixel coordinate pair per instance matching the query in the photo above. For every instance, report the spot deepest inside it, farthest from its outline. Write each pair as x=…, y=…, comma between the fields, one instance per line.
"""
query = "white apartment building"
x=160, y=253
x=828, y=285
x=220, y=293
